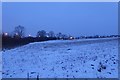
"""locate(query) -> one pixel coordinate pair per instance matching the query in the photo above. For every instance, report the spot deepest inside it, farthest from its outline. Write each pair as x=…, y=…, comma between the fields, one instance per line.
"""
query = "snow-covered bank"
x=63, y=59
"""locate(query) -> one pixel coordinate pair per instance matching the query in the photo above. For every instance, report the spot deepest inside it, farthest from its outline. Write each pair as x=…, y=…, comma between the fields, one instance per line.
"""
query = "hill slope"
x=63, y=59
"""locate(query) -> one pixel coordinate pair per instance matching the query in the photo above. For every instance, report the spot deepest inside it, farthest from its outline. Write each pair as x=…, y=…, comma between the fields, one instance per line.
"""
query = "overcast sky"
x=83, y=18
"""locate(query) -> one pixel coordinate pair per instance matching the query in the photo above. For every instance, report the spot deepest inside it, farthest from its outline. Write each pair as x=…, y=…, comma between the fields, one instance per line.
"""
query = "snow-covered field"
x=63, y=59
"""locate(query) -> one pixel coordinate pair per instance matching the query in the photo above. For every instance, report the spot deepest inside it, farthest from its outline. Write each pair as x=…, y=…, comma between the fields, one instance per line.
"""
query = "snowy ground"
x=63, y=59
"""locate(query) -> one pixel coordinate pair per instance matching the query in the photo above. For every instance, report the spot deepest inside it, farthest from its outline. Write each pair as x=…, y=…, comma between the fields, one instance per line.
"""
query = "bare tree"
x=19, y=31
x=64, y=36
x=51, y=34
x=59, y=35
x=41, y=33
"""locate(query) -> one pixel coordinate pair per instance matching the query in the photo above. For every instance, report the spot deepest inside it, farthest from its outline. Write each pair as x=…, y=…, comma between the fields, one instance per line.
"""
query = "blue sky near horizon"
x=74, y=18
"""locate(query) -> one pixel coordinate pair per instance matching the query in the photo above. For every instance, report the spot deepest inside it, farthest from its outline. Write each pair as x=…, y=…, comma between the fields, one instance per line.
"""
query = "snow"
x=63, y=59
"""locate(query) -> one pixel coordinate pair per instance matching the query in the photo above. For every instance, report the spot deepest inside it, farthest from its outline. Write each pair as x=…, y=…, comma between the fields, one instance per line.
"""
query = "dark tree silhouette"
x=19, y=31
x=59, y=35
x=64, y=36
x=51, y=34
x=41, y=33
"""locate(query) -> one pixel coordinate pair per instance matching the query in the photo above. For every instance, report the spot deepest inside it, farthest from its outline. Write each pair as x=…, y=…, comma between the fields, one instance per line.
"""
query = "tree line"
x=17, y=37
x=19, y=32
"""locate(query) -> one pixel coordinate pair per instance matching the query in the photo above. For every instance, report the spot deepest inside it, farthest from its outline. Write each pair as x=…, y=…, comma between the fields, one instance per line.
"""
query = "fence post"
x=28, y=76
x=38, y=76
